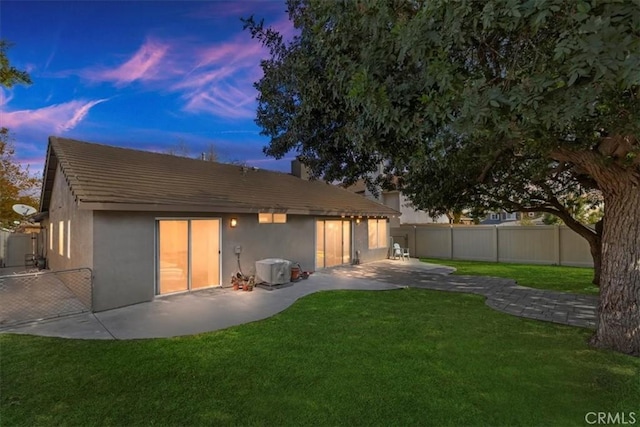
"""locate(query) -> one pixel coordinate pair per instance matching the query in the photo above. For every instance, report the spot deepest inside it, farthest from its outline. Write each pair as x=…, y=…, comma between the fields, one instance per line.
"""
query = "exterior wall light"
x=234, y=222
x=357, y=220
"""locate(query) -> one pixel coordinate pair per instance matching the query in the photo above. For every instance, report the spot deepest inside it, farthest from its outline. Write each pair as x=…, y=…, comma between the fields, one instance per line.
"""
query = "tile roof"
x=113, y=178
x=359, y=187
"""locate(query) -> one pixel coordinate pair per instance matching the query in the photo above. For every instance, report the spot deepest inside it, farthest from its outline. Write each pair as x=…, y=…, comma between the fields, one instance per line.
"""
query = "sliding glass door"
x=333, y=242
x=173, y=256
x=188, y=254
x=205, y=253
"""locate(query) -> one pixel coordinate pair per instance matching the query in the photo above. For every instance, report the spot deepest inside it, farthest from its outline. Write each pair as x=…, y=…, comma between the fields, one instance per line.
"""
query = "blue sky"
x=139, y=74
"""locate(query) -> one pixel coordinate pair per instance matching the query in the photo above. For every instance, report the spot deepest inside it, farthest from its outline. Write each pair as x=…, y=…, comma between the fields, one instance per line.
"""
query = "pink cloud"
x=221, y=82
x=216, y=80
x=223, y=101
x=143, y=65
x=199, y=78
x=35, y=164
x=56, y=118
x=79, y=115
x=240, y=50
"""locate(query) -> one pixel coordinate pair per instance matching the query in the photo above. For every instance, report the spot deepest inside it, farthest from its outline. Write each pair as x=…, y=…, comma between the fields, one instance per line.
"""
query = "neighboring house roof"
x=358, y=187
x=532, y=221
x=103, y=177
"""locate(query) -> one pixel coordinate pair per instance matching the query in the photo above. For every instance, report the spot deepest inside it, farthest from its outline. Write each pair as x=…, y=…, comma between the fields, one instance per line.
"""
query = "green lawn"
x=403, y=357
x=566, y=279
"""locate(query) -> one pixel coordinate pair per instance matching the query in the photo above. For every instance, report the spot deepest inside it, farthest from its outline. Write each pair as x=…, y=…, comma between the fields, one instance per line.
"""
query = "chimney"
x=299, y=169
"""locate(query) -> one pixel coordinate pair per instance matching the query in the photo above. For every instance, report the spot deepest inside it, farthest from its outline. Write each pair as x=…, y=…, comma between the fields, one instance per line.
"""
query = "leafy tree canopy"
x=495, y=104
x=9, y=75
x=464, y=93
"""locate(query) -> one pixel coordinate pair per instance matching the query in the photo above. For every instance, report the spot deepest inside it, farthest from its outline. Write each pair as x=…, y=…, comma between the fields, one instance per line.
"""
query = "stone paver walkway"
x=502, y=294
x=220, y=308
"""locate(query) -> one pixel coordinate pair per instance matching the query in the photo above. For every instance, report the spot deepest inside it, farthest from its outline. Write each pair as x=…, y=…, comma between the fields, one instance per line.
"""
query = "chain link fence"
x=31, y=296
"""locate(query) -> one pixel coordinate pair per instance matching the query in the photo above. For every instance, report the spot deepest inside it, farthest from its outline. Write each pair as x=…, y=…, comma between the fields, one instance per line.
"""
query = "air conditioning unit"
x=274, y=271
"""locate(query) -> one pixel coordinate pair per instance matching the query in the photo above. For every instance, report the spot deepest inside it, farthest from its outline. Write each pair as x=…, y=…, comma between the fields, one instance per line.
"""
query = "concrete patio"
x=219, y=308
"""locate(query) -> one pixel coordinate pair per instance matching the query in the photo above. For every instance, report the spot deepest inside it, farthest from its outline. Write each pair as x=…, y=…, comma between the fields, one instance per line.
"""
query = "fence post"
x=450, y=241
x=415, y=241
x=556, y=244
x=495, y=244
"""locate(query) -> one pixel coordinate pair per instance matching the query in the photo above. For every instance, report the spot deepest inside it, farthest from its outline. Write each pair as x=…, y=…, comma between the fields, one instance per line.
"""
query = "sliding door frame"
x=347, y=249
x=156, y=258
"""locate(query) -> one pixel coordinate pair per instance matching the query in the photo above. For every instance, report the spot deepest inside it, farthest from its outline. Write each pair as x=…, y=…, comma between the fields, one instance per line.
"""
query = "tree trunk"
x=596, y=249
x=618, y=325
x=596, y=253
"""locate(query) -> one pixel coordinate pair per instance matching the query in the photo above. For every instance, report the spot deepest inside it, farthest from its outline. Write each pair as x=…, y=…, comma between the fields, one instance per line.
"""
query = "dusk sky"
x=139, y=74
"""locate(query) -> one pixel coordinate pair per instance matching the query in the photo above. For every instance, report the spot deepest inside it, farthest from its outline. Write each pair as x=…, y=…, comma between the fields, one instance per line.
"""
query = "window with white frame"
x=495, y=216
x=377, y=233
x=511, y=216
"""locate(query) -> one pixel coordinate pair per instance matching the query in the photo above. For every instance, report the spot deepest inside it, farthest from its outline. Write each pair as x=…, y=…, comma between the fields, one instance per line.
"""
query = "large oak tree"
x=505, y=103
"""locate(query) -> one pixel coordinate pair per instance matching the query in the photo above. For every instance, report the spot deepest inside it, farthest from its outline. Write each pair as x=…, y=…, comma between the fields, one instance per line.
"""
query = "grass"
x=404, y=357
x=576, y=280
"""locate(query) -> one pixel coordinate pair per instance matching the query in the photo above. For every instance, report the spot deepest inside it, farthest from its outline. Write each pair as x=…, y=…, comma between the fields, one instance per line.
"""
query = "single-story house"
x=150, y=224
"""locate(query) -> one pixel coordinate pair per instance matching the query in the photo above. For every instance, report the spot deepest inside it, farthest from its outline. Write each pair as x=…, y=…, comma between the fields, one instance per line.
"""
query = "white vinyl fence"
x=4, y=236
x=14, y=247
x=549, y=244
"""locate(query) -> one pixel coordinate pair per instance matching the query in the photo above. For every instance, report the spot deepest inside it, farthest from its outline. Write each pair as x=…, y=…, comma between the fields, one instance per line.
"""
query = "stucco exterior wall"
x=412, y=216
x=393, y=201
x=361, y=243
x=124, y=259
x=14, y=247
x=124, y=256
x=408, y=214
x=293, y=240
x=73, y=248
x=125, y=250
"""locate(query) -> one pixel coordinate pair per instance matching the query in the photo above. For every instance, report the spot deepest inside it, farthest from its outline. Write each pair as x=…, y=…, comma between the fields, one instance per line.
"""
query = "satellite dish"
x=24, y=210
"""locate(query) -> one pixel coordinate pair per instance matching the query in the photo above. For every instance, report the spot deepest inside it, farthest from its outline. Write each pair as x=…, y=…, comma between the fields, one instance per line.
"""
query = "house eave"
x=159, y=207
x=48, y=177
